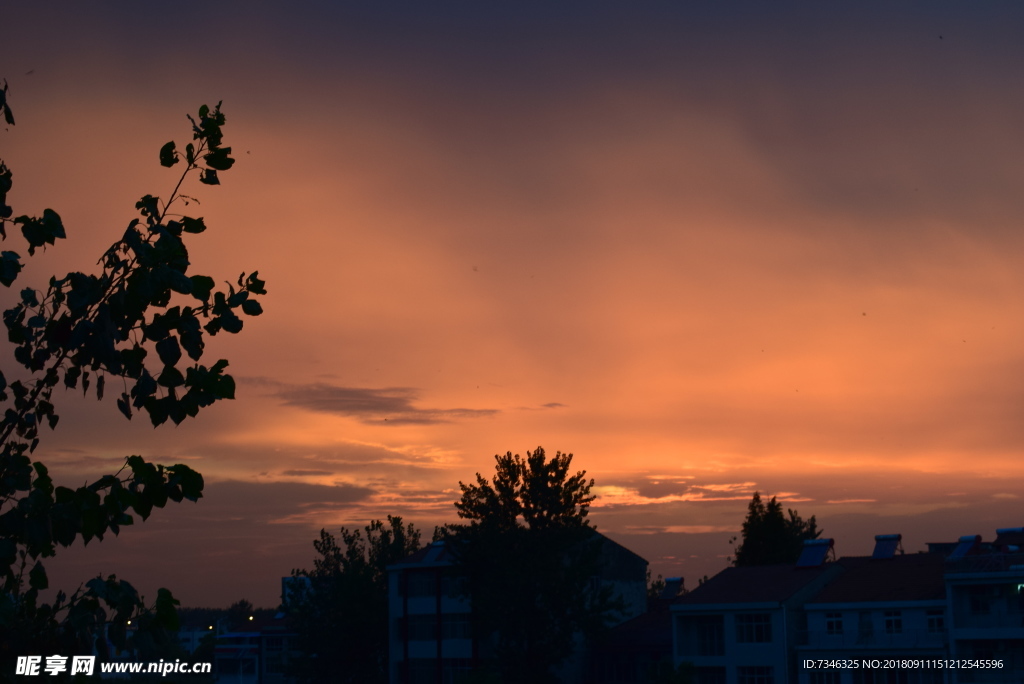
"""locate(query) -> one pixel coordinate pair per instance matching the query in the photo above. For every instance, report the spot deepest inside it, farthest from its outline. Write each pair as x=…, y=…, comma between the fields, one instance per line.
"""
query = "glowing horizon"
x=707, y=254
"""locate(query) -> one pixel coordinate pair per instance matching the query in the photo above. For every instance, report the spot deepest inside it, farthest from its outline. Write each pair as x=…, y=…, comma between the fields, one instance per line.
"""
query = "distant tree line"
x=524, y=547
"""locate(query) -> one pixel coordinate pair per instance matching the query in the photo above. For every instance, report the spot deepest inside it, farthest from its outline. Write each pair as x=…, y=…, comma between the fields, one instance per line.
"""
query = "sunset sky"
x=707, y=248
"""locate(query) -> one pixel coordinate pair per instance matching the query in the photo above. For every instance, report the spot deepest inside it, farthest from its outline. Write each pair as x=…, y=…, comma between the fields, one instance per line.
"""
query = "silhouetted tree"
x=655, y=587
x=769, y=537
x=342, y=618
x=531, y=557
x=80, y=331
x=239, y=613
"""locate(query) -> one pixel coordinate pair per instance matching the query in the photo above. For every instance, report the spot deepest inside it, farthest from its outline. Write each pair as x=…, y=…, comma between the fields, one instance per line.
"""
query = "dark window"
x=936, y=621
x=755, y=674
x=422, y=627
x=865, y=628
x=710, y=635
x=984, y=649
x=456, y=626
x=826, y=677
x=893, y=622
x=616, y=668
x=456, y=670
x=422, y=671
x=709, y=675
x=245, y=667
x=275, y=663
x=274, y=643
x=454, y=586
x=833, y=623
x=422, y=584
x=753, y=628
x=891, y=676
x=981, y=599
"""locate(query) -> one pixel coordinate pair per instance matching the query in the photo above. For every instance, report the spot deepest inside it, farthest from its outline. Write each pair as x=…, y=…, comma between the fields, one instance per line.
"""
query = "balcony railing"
x=987, y=562
x=907, y=639
x=1012, y=620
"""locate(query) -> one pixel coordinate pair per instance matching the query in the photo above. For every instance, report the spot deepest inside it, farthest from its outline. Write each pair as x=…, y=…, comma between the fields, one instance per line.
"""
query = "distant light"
x=211, y=626
x=250, y=617
x=129, y=622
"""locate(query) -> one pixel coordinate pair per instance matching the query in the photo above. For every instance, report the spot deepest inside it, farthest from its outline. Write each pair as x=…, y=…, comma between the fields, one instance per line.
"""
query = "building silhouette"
x=430, y=614
x=953, y=614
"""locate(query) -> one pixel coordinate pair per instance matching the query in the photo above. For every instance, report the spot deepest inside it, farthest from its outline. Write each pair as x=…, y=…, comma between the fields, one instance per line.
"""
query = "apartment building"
x=739, y=627
x=431, y=636
x=962, y=601
x=888, y=607
x=985, y=606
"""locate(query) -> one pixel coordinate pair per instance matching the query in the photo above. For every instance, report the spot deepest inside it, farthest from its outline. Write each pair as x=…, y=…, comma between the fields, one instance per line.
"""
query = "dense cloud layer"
x=708, y=249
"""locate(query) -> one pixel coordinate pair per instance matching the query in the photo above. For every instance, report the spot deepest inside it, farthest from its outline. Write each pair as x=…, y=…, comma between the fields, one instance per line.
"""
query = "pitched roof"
x=913, y=577
x=619, y=562
x=431, y=555
x=649, y=630
x=757, y=584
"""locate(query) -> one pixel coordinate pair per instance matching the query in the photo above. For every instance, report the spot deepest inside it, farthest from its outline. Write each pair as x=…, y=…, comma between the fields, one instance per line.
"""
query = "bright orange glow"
x=705, y=267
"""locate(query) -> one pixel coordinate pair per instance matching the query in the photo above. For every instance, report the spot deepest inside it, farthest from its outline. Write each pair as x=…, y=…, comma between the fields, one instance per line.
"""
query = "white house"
x=740, y=626
x=888, y=606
